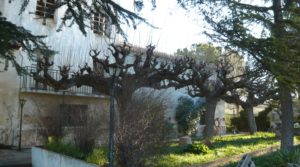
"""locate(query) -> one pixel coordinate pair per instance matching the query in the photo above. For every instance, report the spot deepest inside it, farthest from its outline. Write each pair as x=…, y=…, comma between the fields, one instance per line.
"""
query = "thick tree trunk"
x=124, y=97
x=251, y=118
x=211, y=104
x=287, y=128
x=122, y=104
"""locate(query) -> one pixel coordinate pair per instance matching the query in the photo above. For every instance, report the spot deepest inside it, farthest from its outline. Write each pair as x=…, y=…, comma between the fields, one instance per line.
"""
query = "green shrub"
x=262, y=122
x=285, y=157
x=196, y=148
x=64, y=148
x=240, y=122
x=187, y=115
x=99, y=156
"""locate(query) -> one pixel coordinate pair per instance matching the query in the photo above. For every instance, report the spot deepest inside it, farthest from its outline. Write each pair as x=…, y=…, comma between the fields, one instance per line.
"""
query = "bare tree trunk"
x=251, y=118
x=211, y=104
x=130, y=85
x=122, y=104
x=287, y=128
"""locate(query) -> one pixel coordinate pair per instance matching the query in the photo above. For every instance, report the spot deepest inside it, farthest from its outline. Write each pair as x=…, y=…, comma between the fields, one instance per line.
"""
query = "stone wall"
x=40, y=106
x=9, y=110
x=36, y=106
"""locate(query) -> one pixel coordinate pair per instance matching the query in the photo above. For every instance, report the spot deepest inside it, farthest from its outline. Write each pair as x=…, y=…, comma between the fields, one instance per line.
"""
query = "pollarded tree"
x=139, y=118
x=211, y=81
x=267, y=31
x=258, y=87
x=139, y=68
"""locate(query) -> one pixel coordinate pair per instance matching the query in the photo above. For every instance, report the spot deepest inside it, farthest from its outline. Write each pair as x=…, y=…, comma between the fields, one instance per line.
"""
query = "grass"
x=173, y=156
x=275, y=159
x=99, y=156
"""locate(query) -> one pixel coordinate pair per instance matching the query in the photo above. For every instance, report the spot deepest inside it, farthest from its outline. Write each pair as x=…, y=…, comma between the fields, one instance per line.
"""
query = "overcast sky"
x=177, y=28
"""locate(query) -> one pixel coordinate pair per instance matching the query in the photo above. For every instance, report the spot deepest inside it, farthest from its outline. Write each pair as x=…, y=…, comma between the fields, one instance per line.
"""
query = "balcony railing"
x=28, y=84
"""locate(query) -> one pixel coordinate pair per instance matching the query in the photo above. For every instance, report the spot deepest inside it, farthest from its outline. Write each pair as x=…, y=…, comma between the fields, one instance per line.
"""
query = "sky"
x=177, y=28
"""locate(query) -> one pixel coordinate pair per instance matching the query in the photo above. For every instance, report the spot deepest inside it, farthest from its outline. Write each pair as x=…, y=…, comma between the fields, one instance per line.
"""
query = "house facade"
x=42, y=101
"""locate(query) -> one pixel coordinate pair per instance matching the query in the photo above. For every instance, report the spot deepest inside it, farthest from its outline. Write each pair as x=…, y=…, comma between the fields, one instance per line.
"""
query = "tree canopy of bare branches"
x=259, y=86
x=139, y=68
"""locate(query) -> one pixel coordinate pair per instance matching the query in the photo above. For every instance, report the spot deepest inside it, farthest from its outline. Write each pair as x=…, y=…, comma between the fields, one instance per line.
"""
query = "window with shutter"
x=45, y=8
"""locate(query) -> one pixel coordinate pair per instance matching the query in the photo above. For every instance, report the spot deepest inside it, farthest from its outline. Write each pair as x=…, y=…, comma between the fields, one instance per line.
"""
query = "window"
x=74, y=114
x=100, y=25
x=45, y=8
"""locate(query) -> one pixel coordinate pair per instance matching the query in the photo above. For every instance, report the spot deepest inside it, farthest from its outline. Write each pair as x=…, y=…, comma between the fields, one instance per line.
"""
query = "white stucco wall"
x=45, y=158
x=170, y=96
x=72, y=46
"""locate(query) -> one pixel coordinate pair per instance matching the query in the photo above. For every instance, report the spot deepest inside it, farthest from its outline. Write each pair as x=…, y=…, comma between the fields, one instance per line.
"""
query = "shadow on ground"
x=11, y=157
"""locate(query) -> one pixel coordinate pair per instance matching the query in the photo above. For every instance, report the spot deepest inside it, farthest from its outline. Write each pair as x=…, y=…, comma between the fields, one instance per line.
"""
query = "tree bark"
x=287, y=128
x=211, y=104
x=251, y=118
x=124, y=96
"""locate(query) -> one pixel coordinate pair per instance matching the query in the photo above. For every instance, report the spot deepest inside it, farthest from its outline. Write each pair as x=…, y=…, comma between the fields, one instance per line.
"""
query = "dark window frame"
x=74, y=115
x=45, y=10
x=100, y=25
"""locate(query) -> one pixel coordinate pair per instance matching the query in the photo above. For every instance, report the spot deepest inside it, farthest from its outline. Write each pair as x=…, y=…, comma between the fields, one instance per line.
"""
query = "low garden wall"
x=45, y=158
